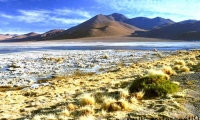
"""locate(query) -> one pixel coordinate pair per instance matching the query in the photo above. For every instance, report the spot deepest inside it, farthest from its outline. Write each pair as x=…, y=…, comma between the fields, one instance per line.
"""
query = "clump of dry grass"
x=111, y=105
x=65, y=112
x=177, y=67
x=185, y=69
x=86, y=110
x=99, y=96
x=105, y=56
x=158, y=72
x=107, y=102
x=51, y=117
x=133, y=99
x=123, y=104
x=71, y=107
x=89, y=117
x=190, y=63
x=87, y=99
x=168, y=70
x=180, y=62
x=139, y=95
x=123, y=93
x=192, y=58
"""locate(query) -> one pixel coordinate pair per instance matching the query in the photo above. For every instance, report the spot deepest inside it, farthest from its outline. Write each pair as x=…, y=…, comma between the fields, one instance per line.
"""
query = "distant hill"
x=188, y=21
x=6, y=36
x=31, y=34
x=117, y=24
x=181, y=30
x=98, y=26
x=147, y=23
x=117, y=17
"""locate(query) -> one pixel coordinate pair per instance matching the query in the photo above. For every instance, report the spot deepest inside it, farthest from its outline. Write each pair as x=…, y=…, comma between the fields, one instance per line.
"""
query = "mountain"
x=99, y=25
x=182, y=31
x=147, y=23
x=188, y=21
x=117, y=17
x=31, y=34
x=7, y=36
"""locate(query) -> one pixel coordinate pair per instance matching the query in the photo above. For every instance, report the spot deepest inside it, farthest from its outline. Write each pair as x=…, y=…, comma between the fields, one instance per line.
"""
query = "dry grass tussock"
x=168, y=70
x=158, y=72
x=185, y=69
x=87, y=99
x=180, y=62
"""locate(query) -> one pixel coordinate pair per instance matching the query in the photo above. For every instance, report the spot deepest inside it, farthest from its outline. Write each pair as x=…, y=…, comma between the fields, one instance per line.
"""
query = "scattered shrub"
x=177, y=67
x=123, y=104
x=124, y=93
x=87, y=99
x=71, y=107
x=105, y=56
x=111, y=105
x=153, y=86
x=89, y=117
x=86, y=110
x=180, y=62
x=185, y=69
x=190, y=63
x=168, y=70
x=139, y=95
x=65, y=112
x=107, y=102
x=133, y=100
x=158, y=72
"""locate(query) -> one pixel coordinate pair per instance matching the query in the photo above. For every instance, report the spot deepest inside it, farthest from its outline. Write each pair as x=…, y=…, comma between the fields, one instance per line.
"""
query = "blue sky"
x=23, y=16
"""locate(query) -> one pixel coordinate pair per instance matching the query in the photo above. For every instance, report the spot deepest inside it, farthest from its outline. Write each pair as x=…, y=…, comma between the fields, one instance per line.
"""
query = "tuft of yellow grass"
x=124, y=93
x=192, y=58
x=65, y=112
x=168, y=70
x=123, y=104
x=177, y=67
x=190, y=63
x=71, y=107
x=89, y=117
x=185, y=69
x=114, y=107
x=133, y=100
x=180, y=62
x=87, y=99
x=99, y=96
x=158, y=72
x=139, y=95
x=105, y=56
x=51, y=117
x=86, y=110
x=107, y=102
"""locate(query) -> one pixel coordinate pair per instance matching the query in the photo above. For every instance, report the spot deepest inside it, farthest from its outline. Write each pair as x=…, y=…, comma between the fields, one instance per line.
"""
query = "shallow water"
x=164, y=46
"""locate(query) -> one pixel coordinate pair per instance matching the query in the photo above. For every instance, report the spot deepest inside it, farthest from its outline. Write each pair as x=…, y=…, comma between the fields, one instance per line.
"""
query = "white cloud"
x=58, y=16
x=187, y=8
x=66, y=11
x=67, y=21
x=6, y=16
x=32, y=16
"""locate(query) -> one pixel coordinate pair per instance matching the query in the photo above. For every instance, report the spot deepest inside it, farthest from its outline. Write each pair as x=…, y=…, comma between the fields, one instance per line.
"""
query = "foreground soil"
x=64, y=97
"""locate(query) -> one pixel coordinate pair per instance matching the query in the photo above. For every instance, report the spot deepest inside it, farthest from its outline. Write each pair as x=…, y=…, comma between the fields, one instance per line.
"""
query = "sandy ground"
x=84, y=96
